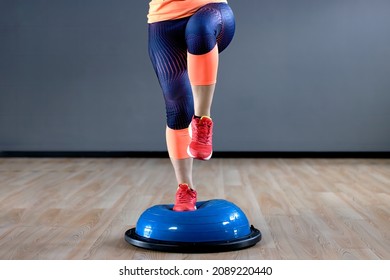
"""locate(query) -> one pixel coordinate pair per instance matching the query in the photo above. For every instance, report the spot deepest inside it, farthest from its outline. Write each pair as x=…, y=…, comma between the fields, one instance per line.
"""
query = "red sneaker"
x=201, y=132
x=185, y=199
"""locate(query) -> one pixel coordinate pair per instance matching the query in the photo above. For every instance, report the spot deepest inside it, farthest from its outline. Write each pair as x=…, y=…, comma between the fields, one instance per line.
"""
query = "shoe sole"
x=191, y=155
x=173, y=209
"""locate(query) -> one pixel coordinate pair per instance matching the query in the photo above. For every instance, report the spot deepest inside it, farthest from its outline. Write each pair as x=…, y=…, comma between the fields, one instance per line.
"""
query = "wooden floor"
x=305, y=208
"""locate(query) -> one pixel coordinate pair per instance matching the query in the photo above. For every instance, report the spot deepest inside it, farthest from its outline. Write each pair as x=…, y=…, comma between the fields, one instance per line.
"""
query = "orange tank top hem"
x=160, y=10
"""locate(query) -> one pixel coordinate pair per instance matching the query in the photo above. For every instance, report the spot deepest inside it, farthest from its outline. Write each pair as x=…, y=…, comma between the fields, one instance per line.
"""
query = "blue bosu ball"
x=216, y=225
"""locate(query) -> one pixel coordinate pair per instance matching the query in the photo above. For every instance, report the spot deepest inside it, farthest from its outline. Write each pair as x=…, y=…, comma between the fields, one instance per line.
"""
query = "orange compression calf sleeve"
x=202, y=69
x=177, y=142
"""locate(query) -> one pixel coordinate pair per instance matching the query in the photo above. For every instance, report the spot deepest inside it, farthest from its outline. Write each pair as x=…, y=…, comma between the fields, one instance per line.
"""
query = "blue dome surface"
x=214, y=220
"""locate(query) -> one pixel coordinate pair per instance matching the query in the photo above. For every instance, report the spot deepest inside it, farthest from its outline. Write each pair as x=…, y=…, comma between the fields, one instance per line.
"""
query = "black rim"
x=193, y=247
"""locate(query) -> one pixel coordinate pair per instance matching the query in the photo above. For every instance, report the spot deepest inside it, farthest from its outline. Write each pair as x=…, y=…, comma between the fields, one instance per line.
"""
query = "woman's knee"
x=212, y=24
x=202, y=30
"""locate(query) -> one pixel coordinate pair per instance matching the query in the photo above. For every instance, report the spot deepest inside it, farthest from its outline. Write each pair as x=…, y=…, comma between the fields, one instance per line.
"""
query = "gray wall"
x=303, y=75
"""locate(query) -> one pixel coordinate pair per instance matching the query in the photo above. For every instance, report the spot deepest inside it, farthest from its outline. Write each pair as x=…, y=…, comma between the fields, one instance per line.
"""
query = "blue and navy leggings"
x=169, y=42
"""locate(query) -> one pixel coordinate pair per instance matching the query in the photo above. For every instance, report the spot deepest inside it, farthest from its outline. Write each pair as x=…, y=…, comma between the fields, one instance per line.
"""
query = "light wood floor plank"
x=79, y=208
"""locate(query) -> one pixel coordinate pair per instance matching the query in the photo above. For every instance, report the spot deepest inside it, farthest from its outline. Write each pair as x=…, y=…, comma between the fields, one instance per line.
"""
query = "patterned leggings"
x=170, y=45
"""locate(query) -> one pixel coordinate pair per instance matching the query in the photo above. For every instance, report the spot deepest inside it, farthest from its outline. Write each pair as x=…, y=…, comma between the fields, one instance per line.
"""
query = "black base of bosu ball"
x=216, y=226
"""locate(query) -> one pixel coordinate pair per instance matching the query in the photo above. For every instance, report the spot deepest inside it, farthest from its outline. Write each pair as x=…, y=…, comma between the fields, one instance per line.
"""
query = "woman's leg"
x=203, y=99
x=168, y=53
x=177, y=143
x=209, y=31
x=168, y=46
x=183, y=170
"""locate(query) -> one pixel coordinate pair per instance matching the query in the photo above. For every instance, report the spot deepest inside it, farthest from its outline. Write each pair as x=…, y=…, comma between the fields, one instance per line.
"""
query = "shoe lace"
x=204, y=132
x=185, y=196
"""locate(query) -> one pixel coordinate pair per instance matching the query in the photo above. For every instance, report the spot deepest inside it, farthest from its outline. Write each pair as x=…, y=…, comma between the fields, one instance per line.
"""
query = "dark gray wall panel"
x=299, y=76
